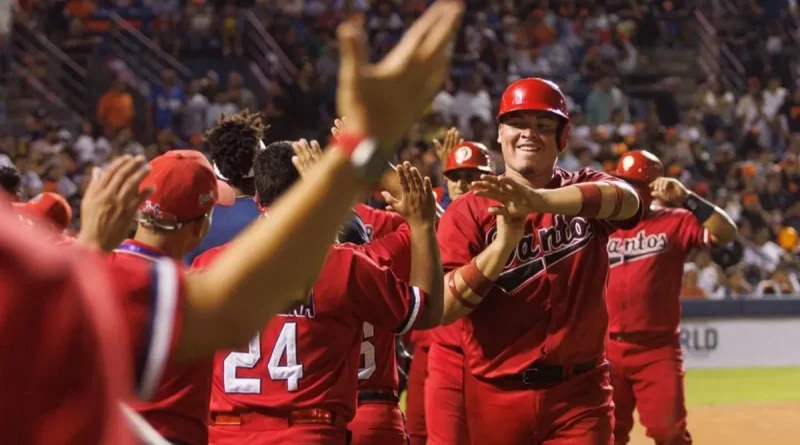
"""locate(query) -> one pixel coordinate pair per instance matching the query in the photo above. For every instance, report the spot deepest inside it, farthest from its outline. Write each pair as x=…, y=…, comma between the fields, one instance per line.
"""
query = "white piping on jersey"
x=414, y=310
x=143, y=430
x=706, y=237
x=136, y=254
x=166, y=302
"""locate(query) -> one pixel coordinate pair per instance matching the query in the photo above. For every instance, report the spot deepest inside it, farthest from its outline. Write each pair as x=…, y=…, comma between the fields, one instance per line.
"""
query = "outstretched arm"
x=268, y=267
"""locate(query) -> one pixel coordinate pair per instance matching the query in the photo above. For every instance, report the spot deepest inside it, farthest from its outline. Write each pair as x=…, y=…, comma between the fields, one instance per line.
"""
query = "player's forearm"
x=426, y=273
x=490, y=263
x=719, y=225
x=270, y=267
x=571, y=200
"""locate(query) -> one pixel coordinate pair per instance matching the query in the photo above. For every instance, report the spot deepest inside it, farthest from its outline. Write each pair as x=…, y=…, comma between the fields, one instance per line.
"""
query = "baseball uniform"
x=378, y=417
x=378, y=222
x=296, y=382
x=643, y=291
x=85, y=323
x=179, y=408
x=445, y=415
x=534, y=348
x=415, y=396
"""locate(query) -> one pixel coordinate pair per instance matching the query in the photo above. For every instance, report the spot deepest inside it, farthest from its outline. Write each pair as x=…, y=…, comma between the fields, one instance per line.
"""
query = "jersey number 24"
x=286, y=346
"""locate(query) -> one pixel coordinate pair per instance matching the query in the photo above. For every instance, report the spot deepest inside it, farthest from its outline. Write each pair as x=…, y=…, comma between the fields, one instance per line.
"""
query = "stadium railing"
x=715, y=58
x=142, y=56
x=57, y=80
x=268, y=59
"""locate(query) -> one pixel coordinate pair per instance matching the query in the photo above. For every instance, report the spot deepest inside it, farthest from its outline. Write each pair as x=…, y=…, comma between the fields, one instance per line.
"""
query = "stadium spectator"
x=115, y=109
x=11, y=181
x=165, y=102
x=604, y=98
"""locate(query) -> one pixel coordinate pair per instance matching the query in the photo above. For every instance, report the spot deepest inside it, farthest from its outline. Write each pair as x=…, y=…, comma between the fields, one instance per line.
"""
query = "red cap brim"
x=225, y=196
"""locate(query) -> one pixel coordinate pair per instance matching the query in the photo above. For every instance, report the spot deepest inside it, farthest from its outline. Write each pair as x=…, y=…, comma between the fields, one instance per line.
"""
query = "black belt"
x=378, y=396
x=544, y=375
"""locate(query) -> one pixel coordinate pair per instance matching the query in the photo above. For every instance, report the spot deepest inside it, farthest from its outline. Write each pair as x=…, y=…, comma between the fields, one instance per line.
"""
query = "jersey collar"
x=133, y=247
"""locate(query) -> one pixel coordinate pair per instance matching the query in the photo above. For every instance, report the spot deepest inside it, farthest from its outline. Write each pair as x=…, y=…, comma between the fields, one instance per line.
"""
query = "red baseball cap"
x=185, y=189
x=50, y=207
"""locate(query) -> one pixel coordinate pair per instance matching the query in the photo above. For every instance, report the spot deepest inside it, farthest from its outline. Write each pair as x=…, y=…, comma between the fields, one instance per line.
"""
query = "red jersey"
x=378, y=355
x=378, y=222
x=78, y=321
x=644, y=282
x=309, y=357
x=548, y=304
x=178, y=409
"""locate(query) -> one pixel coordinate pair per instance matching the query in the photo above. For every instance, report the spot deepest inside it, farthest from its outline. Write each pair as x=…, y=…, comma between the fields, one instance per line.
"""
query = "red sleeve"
x=459, y=236
x=589, y=175
x=691, y=233
x=379, y=223
x=392, y=251
x=376, y=295
x=205, y=259
x=153, y=301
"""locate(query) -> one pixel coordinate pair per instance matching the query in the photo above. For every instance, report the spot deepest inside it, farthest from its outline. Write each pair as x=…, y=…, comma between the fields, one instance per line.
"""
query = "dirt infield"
x=739, y=424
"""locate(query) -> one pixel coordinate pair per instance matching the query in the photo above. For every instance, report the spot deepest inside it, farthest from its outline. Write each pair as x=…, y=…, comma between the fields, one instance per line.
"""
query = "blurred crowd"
x=738, y=149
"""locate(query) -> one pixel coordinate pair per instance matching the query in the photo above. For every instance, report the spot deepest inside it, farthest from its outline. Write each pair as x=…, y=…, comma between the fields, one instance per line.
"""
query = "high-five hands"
x=306, y=155
x=418, y=203
x=451, y=139
x=382, y=100
x=669, y=190
x=111, y=201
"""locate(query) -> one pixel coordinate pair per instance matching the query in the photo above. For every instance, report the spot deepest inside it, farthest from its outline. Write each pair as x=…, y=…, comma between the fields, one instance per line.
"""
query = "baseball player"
x=172, y=221
x=233, y=144
x=445, y=417
x=189, y=317
x=311, y=353
x=644, y=285
x=436, y=384
x=48, y=208
x=526, y=263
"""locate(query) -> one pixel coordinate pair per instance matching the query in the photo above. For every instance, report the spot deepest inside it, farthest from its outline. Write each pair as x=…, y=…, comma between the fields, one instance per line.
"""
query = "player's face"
x=460, y=181
x=528, y=140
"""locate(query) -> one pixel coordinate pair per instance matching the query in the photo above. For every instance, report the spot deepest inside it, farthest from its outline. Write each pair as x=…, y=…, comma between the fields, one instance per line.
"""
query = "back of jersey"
x=306, y=358
x=309, y=357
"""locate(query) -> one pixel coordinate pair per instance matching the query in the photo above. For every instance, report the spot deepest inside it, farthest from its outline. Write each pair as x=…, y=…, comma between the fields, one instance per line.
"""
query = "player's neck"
x=535, y=179
x=244, y=191
x=169, y=244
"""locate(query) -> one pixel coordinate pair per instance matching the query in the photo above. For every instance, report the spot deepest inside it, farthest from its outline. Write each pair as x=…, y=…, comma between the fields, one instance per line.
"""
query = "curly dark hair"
x=233, y=144
x=10, y=180
x=274, y=171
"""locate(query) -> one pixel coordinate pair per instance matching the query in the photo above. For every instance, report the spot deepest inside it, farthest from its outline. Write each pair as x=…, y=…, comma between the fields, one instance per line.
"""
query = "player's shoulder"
x=586, y=174
x=207, y=257
x=670, y=214
x=469, y=205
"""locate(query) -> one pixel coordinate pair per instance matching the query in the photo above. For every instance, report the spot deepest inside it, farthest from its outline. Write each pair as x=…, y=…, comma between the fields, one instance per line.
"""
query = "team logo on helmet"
x=628, y=162
x=205, y=198
x=151, y=209
x=463, y=154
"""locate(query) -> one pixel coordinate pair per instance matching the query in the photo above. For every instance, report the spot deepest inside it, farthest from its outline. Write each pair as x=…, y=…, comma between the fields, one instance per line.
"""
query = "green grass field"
x=734, y=386
x=752, y=406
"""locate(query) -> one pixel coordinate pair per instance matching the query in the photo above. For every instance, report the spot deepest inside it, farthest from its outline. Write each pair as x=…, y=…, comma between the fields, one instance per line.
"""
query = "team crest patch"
x=205, y=198
x=463, y=154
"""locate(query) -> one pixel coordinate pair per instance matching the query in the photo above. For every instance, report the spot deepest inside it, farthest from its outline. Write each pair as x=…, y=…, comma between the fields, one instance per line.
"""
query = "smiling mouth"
x=529, y=148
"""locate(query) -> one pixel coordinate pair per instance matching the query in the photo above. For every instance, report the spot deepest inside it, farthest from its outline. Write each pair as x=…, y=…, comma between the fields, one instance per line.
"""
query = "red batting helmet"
x=468, y=156
x=535, y=94
x=639, y=166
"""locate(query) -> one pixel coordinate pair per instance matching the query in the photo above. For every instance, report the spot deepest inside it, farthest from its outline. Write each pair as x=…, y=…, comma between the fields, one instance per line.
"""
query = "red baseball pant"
x=378, y=423
x=415, y=397
x=649, y=376
x=263, y=430
x=576, y=411
x=445, y=419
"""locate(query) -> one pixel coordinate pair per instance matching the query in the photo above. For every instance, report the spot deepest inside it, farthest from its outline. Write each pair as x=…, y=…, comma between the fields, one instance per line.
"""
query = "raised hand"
x=669, y=190
x=111, y=201
x=451, y=139
x=306, y=155
x=517, y=200
x=339, y=126
x=384, y=99
x=418, y=204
